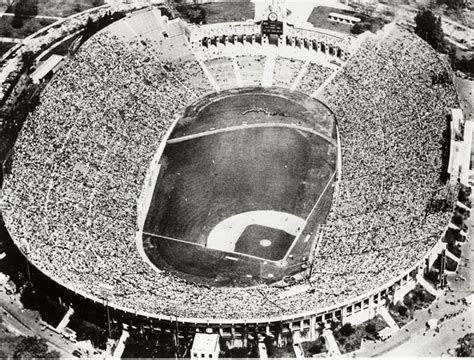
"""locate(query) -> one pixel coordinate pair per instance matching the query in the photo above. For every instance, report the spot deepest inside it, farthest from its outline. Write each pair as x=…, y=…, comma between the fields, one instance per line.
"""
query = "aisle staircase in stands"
x=209, y=75
x=238, y=76
x=269, y=69
x=302, y=72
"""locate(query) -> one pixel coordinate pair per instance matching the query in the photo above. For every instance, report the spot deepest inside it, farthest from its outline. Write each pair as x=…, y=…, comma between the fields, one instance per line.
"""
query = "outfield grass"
x=211, y=178
x=287, y=107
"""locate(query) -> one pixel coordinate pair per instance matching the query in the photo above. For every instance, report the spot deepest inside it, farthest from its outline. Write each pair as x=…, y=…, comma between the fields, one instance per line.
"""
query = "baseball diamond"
x=251, y=162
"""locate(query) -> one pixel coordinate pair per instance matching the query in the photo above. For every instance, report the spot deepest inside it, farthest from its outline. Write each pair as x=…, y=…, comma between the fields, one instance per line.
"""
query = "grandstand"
x=222, y=71
x=251, y=69
x=81, y=173
x=286, y=71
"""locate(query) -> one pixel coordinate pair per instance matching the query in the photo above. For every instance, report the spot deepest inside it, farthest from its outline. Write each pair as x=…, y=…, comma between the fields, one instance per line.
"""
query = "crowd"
x=391, y=118
x=81, y=160
x=313, y=78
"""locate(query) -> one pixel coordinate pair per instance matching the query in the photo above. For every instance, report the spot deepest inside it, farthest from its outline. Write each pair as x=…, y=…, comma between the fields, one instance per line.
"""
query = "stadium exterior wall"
x=355, y=310
x=217, y=40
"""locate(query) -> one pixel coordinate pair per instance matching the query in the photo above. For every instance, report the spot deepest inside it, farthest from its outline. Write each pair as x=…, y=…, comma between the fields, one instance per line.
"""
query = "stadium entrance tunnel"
x=243, y=182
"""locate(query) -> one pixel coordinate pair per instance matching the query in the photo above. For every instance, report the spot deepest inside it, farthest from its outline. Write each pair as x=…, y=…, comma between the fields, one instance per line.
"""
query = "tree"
x=359, y=28
x=26, y=8
x=31, y=347
x=370, y=328
x=9, y=4
x=429, y=28
x=402, y=310
x=457, y=220
x=28, y=58
x=368, y=23
x=347, y=329
x=195, y=14
x=466, y=346
x=17, y=21
x=366, y=9
x=456, y=4
x=53, y=355
x=315, y=349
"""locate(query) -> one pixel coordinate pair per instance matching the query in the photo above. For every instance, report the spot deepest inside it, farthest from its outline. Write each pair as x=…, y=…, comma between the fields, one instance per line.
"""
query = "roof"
x=208, y=343
x=47, y=66
x=9, y=67
x=457, y=114
x=343, y=16
x=174, y=28
x=385, y=332
x=470, y=299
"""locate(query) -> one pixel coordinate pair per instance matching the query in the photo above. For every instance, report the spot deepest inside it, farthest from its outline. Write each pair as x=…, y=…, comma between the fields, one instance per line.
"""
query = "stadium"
x=234, y=177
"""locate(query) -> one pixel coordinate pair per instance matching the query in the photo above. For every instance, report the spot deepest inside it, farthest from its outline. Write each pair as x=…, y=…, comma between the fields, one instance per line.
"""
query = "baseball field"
x=253, y=187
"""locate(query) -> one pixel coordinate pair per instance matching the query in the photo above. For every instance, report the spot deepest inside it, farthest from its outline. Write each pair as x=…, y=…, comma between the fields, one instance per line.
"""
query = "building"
x=50, y=66
x=205, y=346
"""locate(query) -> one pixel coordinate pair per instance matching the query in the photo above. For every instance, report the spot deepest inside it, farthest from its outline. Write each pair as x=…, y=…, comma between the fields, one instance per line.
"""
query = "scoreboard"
x=272, y=26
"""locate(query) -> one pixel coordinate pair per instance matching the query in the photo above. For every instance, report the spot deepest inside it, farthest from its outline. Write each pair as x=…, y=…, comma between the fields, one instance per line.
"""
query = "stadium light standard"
x=176, y=337
x=106, y=292
x=26, y=251
x=108, y=317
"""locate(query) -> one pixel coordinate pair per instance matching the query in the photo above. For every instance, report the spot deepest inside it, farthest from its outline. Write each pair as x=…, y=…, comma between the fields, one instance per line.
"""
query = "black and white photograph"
x=246, y=179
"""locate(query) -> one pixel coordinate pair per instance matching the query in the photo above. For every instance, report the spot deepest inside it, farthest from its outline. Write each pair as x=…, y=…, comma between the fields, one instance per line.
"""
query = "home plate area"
x=265, y=234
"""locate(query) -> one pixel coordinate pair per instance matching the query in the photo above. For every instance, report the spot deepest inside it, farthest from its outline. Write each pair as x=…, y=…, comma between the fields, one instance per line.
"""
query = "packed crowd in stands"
x=81, y=160
x=313, y=78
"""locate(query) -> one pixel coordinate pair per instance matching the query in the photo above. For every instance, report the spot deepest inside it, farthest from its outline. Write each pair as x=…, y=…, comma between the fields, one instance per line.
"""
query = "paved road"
x=26, y=322
x=10, y=39
x=36, y=17
x=430, y=343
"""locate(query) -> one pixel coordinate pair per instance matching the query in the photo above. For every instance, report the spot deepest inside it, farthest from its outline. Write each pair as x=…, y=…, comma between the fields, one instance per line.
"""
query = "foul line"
x=174, y=239
x=225, y=252
x=250, y=126
x=310, y=214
